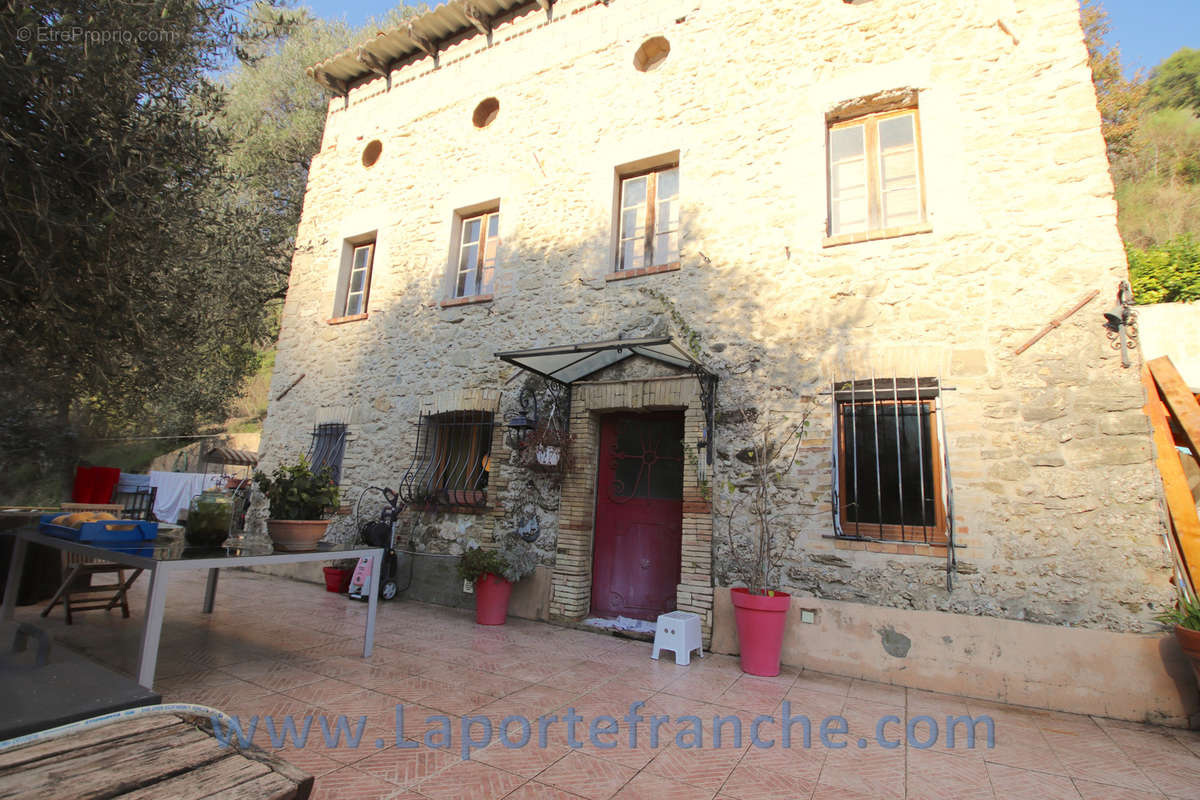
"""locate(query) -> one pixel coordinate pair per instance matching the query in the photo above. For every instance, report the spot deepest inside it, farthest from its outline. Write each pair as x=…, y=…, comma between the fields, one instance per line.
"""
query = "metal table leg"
x=210, y=591
x=15, y=568
x=372, y=604
x=152, y=626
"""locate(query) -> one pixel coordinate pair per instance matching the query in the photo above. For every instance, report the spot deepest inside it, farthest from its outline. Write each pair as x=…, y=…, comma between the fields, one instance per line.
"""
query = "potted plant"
x=300, y=501
x=760, y=611
x=1186, y=619
x=492, y=573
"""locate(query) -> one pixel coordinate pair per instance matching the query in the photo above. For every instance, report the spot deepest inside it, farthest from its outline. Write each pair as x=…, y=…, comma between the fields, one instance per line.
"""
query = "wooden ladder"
x=1175, y=414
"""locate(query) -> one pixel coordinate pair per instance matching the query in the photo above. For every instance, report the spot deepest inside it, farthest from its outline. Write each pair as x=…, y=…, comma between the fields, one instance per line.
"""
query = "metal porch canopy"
x=568, y=363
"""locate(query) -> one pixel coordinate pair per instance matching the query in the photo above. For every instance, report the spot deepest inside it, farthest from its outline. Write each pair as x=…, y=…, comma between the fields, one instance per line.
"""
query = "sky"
x=1147, y=30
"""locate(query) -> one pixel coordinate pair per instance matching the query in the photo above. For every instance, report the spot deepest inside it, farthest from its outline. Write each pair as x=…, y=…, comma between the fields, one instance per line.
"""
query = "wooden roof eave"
x=425, y=35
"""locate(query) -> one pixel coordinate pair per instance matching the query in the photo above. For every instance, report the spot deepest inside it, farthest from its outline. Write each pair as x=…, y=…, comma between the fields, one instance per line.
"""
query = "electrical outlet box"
x=468, y=587
x=808, y=616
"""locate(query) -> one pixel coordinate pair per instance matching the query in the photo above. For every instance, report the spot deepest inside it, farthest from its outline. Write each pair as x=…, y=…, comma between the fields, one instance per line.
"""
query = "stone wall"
x=1055, y=497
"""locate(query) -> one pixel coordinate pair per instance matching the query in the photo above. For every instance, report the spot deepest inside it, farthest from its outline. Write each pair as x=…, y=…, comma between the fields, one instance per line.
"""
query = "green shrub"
x=296, y=492
x=1167, y=273
x=1185, y=615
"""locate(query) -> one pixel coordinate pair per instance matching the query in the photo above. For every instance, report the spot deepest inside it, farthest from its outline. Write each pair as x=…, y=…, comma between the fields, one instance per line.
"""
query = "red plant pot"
x=760, y=622
x=337, y=579
x=491, y=599
x=1189, y=641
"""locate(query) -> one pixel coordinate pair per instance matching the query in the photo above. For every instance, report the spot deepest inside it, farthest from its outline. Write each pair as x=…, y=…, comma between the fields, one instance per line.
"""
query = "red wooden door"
x=639, y=515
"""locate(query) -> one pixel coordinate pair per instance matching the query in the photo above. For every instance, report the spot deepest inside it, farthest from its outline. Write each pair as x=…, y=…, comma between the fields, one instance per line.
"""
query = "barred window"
x=452, y=461
x=889, y=471
x=328, y=448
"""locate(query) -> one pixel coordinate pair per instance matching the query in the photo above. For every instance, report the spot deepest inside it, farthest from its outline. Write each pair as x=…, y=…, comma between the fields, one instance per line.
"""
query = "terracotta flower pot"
x=1189, y=640
x=760, y=622
x=296, y=534
x=491, y=600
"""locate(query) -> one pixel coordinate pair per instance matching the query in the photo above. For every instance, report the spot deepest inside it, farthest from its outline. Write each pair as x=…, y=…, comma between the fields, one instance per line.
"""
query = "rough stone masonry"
x=1055, y=495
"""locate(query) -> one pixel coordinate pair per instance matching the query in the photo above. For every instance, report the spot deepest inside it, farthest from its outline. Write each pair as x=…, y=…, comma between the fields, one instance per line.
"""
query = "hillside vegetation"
x=1152, y=128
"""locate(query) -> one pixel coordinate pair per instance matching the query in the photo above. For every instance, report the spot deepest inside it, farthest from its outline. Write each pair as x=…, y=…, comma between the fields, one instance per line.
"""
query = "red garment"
x=95, y=484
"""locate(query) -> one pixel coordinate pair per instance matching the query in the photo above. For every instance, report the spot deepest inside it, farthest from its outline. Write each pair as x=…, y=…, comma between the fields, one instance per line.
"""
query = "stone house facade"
x=846, y=213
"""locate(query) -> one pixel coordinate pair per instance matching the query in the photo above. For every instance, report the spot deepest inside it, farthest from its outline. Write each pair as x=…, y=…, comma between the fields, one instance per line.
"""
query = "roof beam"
x=335, y=85
x=547, y=6
x=423, y=42
x=479, y=18
x=373, y=62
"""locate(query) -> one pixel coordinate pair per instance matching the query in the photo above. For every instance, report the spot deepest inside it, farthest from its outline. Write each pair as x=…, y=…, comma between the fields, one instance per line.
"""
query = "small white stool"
x=679, y=632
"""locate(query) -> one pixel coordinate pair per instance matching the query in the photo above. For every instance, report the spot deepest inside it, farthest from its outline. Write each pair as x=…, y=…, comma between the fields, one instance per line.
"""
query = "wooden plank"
x=210, y=780
x=80, y=743
x=271, y=786
x=133, y=764
x=303, y=781
x=1181, y=505
x=1178, y=398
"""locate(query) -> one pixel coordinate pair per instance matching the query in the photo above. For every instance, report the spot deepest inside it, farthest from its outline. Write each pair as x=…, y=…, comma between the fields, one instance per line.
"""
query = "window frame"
x=484, y=215
x=875, y=227
x=365, y=293
x=342, y=295
x=651, y=204
x=452, y=462
x=935, y=534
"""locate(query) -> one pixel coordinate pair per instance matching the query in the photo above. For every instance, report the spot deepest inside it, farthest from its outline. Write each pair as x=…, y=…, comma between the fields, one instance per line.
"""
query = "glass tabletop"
x=170, y=544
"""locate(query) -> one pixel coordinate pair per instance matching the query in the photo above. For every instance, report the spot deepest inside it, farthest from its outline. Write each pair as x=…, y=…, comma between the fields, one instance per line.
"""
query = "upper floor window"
x=649, y=219
x=360, y=279
x=475, y=267
x=875, y=173
x=354, y=278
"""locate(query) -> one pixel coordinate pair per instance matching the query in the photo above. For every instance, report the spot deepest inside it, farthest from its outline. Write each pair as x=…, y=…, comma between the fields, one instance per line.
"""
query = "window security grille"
x=889, y=481
x=452, y=460
x=327, y=448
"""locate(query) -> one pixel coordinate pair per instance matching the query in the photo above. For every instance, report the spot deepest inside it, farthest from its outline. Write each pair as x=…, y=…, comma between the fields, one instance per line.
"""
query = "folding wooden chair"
x=77, y=593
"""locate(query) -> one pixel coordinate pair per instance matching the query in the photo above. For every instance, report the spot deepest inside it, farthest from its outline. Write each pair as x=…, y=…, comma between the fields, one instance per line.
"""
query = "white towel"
x=176, y=490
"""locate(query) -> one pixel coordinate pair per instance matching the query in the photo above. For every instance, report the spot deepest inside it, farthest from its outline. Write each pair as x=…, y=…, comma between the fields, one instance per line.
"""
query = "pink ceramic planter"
x=491, y=600
x=760, y=622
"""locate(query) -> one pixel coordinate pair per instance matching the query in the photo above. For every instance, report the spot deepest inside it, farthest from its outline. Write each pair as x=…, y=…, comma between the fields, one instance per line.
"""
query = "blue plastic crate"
x=102, y=532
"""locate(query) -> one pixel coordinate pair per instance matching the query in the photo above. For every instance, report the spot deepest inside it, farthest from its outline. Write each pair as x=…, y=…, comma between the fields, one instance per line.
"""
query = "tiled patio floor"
x=279, y=647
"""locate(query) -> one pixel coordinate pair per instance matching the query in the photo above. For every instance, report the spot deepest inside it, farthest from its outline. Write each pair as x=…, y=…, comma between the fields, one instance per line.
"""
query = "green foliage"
x=1119, y=99
x=1175, y=83
x=1168, y=273
x=1158, y=180
x=296, y=492
x=1185, y=615
x=121, y=306
x=513, y=561
x=476, y=562
x=691, y=337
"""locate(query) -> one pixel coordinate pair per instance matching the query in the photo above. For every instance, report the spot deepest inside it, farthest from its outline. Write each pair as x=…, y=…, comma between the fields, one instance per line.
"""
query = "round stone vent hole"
x=651, y=54
x=371, y=152
x=485, y=112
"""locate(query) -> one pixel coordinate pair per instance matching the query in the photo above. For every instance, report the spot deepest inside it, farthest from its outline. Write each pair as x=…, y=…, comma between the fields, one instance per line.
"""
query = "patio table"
x=170, y=554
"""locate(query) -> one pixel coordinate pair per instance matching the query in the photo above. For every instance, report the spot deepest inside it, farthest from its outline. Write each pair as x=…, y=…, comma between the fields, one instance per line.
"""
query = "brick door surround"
x=571, y=581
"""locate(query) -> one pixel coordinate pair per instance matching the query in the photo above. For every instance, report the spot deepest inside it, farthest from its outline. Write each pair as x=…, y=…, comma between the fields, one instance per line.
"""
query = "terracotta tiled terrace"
x=278, y=647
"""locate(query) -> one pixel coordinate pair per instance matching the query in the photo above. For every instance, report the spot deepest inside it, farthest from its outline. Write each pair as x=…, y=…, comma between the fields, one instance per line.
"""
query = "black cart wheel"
x=387, y=591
